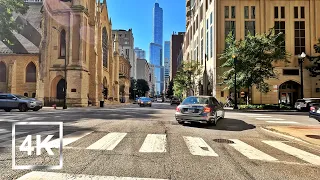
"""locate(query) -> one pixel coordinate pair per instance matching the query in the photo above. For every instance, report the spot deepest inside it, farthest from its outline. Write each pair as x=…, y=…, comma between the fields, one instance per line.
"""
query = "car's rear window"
x=195, y=100
x=145, y=99
x=301, y=100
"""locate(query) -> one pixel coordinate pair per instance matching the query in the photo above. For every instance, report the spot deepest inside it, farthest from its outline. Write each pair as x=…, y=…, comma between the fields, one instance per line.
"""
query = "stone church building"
x=74, y=33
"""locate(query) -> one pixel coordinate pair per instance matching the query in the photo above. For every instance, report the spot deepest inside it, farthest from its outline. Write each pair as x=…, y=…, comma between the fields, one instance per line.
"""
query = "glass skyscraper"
x=156, y=49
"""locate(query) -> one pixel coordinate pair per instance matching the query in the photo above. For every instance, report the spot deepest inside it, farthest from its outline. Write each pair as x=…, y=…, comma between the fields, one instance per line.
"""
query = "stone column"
x=116, y=67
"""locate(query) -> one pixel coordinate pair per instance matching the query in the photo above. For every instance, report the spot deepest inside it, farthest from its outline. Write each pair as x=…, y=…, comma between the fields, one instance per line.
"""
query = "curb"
x=286, y=135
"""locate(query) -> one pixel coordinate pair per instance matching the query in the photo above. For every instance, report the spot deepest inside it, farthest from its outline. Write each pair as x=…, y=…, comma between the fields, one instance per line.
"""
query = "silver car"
x=204, y=109
x=12, y=101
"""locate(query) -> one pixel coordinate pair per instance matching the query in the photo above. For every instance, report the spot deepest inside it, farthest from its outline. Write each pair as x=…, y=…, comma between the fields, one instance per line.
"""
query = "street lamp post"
x=301, y=60
x=65, y=76
x=235, y=81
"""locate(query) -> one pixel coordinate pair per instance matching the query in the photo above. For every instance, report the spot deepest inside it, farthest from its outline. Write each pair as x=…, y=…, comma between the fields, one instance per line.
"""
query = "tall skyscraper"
x=167, y=63
x=156, y=49
x=176, y=46
x=140, y=54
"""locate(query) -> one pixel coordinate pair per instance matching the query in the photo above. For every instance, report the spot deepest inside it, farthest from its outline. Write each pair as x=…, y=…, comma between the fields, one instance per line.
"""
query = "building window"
x=280, y=26
x=211, y=18
x=233, y=12
x=250, y=27
x=222, y=94
x=33, y=95
x=105, y=47
x=26, y=95
x=229, y=26
x=299, y=37
x=63, y=44
x=226, y=12
x=276, y=12
x=211, y=34
x=3, y=72
x=201, y=51
x=253, y=12
x=246, y=12
x=302, y=12
x=296, y=13
x=207, y=43
x=31, y=75
x=282, y=12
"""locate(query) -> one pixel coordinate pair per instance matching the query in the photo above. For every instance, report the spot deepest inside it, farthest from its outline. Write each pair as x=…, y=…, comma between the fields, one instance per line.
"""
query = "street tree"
x=314, y=69
x=142, y=87
x=7, y=24
x=170, y=90
x=255, y=57
x=186, y=76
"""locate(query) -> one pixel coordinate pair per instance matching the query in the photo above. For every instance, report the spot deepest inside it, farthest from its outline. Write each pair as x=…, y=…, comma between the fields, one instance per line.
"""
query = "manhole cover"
x=313, y=136
x=223, y=141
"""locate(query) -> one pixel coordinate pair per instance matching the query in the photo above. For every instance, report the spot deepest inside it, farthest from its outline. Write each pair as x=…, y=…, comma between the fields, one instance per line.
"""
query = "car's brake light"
x=312, y=108
x=207, y=109
x=177, y=109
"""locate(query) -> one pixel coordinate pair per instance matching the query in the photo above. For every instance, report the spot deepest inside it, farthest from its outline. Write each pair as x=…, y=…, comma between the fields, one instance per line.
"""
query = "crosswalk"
x=158, y=143
x=268, y=118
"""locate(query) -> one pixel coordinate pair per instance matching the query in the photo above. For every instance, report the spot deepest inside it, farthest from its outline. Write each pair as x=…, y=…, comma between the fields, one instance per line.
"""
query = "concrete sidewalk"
x=257, y=110
x=310, y=134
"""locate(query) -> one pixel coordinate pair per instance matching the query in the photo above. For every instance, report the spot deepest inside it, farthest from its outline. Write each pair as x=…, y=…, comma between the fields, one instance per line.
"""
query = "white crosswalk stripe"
x=37, y=175
x=250, y=152
x=197, y=146
x=108, y=142
x=308, y=157
x=272, y=119
x=269, y=119
x=283, y=122
x=154, y=143
x=68, y=139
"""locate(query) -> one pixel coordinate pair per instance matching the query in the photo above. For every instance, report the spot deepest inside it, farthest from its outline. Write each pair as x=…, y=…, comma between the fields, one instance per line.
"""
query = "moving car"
x=175, y=100
x=204, y=109
x=315, y=111
x=145, y=101
x=305, y=103
x=12, y=101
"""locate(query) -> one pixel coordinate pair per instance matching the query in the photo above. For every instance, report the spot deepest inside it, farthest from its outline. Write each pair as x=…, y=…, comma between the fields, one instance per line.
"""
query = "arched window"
x=63, y=44
x=105, y=47
x=31, y=75
x=3, y=72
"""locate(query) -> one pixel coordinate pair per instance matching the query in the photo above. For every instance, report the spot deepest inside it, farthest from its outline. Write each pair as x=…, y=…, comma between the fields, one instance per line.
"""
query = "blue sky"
x=137, y=14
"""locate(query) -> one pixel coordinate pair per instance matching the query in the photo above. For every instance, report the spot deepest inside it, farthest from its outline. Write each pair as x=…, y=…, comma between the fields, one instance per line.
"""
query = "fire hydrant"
x=54, y=106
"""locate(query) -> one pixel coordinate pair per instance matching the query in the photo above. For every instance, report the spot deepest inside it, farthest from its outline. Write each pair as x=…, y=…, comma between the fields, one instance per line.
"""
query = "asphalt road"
x=147, y=143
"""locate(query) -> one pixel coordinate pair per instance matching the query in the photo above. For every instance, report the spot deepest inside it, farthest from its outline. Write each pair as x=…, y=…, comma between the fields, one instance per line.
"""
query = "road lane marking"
x=283, y=122
x=70, y=138
x=308, y=157
x=8, y=120
x=19, y=140
x=197, y=146
x=154, y=143
x=108, y=142
x=246, y=114
x=251, y=152
x=261, y=116
x=272, y=119
x=38, y=175
x=10, y=135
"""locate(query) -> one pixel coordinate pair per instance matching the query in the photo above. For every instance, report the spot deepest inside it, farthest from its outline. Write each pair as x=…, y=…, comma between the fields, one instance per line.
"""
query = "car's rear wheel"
x=23, y=108
x=213, y=121
x=7, y=110
x=181, y=122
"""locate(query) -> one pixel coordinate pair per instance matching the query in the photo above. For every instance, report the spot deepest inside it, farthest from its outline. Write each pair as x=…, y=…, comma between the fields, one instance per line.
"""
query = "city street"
x=146, y=142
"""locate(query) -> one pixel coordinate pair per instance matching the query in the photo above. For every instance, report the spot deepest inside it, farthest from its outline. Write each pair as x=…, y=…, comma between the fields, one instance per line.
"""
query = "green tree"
x=185, y=79
x=7, y=24
x=133, y=86
x=170, y=89
x=142, y=87
x=314, y=69
x=255, y=58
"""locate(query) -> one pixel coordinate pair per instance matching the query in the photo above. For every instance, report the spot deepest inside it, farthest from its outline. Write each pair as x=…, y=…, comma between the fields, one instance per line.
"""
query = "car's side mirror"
x=15, y=99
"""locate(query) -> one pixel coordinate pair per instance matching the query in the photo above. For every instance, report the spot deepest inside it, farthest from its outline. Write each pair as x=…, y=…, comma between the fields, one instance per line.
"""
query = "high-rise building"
x=126, y=48
x=156, y=49
x=167, y=63
x=140, y=54
x=175, y=48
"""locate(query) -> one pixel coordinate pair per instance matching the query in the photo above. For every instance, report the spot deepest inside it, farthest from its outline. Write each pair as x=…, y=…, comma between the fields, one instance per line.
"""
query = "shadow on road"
x=225, y=125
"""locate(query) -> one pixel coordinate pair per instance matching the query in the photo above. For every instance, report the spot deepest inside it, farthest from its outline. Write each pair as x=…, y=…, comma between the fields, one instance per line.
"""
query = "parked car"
x=204, y=109
x=315, y=111
x=136, y=101
x=175, y=100
x=145, y=101
x=12, y=101
x=305, y=103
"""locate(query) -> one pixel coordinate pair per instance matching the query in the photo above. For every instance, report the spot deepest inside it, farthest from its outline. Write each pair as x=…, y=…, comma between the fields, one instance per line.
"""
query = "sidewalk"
x=310, y=134
x=90, y=107
x=257, y=110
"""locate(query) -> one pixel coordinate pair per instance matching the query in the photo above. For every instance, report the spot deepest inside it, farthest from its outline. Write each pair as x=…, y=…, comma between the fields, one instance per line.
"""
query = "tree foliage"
x=314, y=69
x=255, y=57
x=186, y=76
x=170, y=89
x=142, y=87
x=7, y=23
